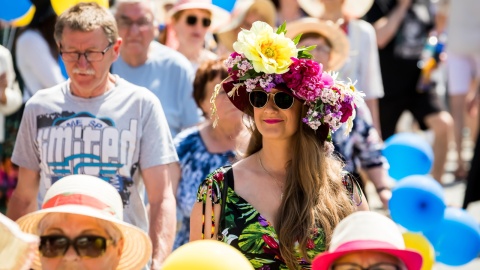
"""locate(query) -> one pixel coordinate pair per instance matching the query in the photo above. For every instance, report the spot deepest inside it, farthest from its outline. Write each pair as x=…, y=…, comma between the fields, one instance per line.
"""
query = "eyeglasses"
x=91, y=56
x=143, y=23
x=259, y=99
x=192, y=20
x=354, y=266
x=92, y=246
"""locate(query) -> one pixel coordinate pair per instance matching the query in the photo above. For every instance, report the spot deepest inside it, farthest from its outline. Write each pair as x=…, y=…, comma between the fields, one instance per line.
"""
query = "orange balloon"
x=59, y=6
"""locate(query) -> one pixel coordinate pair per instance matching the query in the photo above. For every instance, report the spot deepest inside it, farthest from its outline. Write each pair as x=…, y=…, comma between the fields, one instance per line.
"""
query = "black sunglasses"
x=192, y=20
x=92, y=246
x=259, y=99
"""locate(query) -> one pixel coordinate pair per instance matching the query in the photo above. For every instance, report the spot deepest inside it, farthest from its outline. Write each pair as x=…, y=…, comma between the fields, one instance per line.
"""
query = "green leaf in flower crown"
x=282, y=28
x=304, y=54
x=297, y=39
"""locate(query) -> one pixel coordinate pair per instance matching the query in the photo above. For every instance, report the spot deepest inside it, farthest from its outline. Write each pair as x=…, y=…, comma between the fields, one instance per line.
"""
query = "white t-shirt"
x=111, y=136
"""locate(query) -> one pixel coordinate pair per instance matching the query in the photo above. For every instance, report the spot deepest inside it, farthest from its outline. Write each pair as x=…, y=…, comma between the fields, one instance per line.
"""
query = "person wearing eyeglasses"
x=97, y=123
x=80, y=227
x=367, y=240
x=278, y=205
x=145, y=62
x=192, y=23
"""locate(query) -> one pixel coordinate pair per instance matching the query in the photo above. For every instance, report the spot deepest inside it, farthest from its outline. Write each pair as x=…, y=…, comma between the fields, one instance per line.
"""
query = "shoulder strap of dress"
x=227, y=180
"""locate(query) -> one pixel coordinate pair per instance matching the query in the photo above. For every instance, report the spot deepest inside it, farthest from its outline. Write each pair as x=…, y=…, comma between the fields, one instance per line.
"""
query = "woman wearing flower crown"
x=279, y=204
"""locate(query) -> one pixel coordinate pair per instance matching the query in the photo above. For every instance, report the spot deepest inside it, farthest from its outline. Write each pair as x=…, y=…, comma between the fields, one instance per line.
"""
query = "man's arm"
x=162, y=211
x=387, y=26
x=24, y=197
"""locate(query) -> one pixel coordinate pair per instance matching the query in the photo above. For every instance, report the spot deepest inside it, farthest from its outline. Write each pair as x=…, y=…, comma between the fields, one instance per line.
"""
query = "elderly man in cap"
x=98, y=124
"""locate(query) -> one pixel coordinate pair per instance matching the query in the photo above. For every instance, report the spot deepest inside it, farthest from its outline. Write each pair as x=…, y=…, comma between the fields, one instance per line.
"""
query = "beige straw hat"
x=228, y=34
x=91, y=196
x=351, y=8
x=17, y=249
x=327, y=29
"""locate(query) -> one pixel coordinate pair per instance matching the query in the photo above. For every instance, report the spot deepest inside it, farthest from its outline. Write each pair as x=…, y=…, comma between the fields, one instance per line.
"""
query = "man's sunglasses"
x=192, y=20
x=259, y=99
x=92, y=246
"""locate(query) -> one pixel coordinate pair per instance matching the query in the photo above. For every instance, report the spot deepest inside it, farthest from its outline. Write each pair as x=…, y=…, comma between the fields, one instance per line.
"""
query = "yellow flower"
x=268, y=51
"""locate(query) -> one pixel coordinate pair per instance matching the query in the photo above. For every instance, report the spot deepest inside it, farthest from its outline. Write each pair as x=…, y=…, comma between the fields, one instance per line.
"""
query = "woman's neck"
x=226, y=136
x=275, y=156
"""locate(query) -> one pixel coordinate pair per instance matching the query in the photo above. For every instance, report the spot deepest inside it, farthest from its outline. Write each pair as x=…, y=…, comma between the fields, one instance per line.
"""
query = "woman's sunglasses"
x=192, y=20
x=92, y=246
x=259, y=99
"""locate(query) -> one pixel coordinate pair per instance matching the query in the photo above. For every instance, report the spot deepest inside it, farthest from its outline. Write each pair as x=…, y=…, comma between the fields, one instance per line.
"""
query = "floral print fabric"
x=196, y=163
x=246, y=230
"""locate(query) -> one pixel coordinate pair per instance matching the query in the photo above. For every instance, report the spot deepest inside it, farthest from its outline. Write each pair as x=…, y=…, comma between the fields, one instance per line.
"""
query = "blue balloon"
x=456, y=239
x=13, y=9
x=225, y=4
x=407, y=154
x=417, y=203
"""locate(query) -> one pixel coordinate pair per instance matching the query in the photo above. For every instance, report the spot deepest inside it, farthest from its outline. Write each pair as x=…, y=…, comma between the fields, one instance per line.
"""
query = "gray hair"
x=151, y=4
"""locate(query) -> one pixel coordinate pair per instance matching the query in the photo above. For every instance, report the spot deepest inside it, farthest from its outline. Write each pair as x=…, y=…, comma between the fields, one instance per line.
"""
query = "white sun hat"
x=219, y=15
x=17, y=249
x=91, y=196
x=367, y=231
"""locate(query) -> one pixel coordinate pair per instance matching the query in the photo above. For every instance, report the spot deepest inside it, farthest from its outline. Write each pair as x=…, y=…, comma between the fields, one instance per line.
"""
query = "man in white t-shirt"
x=98, y=124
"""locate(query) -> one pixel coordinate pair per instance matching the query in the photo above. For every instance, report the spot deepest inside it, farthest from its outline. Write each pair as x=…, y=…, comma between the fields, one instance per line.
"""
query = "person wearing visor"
x=279, y=204
x=367, y=241
x=80, y=227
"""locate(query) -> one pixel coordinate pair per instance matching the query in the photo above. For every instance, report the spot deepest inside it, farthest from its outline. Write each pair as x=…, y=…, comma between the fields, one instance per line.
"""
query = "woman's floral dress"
x=196, y=163
x=246, y=230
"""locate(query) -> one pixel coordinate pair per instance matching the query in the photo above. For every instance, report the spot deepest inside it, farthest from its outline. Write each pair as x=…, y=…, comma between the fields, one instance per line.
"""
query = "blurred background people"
x=192, y=23
x=361, y=150
x=204, y=148
x=244, y=13
x=10, y=102
x=367, y=240
x=362, y=64
x=145, y=62
x=288, y=11
x=80, y=225
x=402, y=29
x=36, y=52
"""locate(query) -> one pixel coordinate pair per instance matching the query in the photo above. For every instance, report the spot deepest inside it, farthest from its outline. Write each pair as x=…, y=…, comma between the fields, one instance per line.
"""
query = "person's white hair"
x=151, y=4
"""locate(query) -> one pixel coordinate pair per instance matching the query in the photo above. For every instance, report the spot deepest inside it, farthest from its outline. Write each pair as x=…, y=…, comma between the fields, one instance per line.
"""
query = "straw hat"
x=352, y=8
x=228, y=34
x=17, y=249
x=219, y=15
x=91, y=196
x=367, y=231
x=329, y=30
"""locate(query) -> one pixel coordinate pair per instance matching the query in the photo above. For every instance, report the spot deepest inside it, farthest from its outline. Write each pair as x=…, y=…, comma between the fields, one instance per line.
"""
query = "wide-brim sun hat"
x=93, y=197
x=332, y=32
x=17, y=249
x=219, y=15
x=351, y=8
x=227, y=35
x=367, y=231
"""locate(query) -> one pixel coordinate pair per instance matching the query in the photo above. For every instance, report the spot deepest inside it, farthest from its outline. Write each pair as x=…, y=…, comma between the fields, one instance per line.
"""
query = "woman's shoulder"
x=213, y=185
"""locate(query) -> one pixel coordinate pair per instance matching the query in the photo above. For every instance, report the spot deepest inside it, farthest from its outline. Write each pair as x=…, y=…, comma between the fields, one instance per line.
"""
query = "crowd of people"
x=126, y=132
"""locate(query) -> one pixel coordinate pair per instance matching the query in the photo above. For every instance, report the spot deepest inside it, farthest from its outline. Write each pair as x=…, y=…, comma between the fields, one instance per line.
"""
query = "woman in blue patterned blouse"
x=203, y=148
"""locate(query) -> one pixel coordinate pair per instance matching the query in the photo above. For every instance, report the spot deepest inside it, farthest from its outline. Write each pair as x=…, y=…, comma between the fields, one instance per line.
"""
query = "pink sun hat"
x=367, y=231
x=219, y=15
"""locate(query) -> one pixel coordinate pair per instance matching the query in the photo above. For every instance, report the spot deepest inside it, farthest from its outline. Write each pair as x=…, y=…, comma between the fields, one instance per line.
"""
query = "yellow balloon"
x=60, y=6
x=206, y=255
x=25, y=19
x=419, y=243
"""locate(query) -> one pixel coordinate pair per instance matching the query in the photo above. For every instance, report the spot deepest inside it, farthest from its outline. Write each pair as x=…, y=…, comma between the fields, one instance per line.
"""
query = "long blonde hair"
x=314, y=196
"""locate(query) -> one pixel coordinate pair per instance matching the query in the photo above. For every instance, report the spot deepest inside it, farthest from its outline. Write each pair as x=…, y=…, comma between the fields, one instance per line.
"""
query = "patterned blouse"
x=246, y=230
x=196, y=163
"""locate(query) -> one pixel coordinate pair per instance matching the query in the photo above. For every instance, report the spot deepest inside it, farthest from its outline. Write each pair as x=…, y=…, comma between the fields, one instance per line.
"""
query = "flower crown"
x=266, y=59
